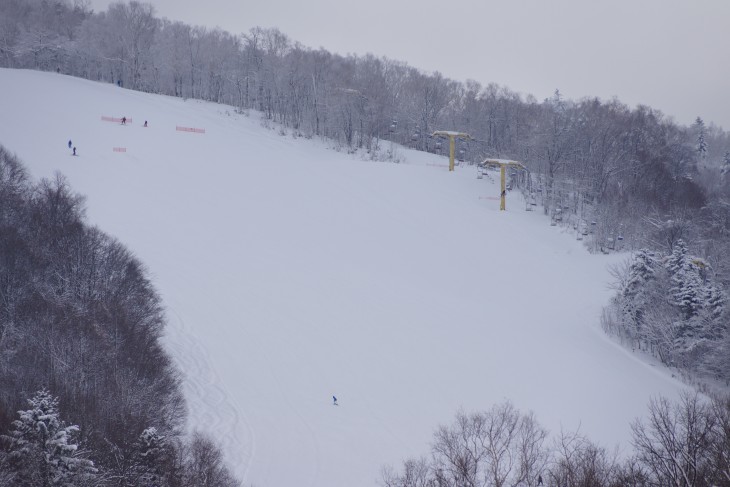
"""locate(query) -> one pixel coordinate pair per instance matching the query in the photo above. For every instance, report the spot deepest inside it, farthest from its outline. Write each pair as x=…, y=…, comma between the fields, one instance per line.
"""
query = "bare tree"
x=204, y=466
x=456, y=452
x=499, y=448
x=498, y=432
x=674, y=443
x=579, y=462
x=416, y=473
x=532, y=454
x=720, y=445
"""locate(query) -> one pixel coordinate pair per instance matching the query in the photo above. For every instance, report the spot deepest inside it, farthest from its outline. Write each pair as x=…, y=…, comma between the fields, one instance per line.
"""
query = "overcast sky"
x=673, y=55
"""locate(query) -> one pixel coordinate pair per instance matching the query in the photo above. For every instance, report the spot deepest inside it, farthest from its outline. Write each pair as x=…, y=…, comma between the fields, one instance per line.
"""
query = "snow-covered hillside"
x=292, y=273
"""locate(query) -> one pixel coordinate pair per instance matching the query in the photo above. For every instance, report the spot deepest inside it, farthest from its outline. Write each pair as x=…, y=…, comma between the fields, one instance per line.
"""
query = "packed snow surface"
x=292, y=272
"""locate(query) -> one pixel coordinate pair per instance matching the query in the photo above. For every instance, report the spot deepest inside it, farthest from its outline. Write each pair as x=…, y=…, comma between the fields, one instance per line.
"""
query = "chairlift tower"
x=452, y=142
x=502, y=163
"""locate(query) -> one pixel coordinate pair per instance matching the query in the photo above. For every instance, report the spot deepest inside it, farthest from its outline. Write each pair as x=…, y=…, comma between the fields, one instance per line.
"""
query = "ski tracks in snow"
x=208, y=401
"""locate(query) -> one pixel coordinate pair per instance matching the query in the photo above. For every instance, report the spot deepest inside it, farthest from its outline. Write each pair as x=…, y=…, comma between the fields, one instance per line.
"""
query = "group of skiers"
x=73, y=147
x=124, y=121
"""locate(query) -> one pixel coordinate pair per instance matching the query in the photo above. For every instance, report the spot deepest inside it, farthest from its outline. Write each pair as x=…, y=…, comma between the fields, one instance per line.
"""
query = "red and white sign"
x=190, y=129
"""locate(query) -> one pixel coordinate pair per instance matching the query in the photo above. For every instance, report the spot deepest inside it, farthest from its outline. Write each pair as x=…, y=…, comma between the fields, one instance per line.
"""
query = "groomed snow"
x=292, y=272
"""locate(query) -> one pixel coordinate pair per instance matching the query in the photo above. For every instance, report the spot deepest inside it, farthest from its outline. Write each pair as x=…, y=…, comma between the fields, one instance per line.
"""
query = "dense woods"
x=672, y=306
x=80, y=328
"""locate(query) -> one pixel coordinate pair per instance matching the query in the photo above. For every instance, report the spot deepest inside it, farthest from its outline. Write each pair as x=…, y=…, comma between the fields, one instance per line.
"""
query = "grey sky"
x=672, y=55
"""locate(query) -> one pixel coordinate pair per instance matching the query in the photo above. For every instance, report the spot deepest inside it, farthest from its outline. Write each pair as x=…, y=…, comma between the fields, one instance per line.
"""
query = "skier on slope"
x=69, y=143
x=124, y=120
x=539, y=480
x=74, y=150
x=334, y=401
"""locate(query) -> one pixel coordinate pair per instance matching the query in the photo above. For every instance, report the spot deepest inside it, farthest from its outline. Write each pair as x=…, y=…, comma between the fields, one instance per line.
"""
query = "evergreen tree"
x=678, y=258
x=726, y=163
x=641, y=272
x=715, y=299
x=687, y=274
x=688, y=290
x=150, y=458
x=701, y=142
x=687, y=295
x=700, y=302
x=714, y=307
x=41, y=449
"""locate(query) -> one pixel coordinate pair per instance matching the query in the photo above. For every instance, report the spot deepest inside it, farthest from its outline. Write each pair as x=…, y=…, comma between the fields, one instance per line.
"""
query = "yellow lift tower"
x=502, y=163
x=452, y=137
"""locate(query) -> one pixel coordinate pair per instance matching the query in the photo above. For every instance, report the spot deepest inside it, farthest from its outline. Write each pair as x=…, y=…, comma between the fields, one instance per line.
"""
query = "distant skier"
x=74, y=150
x=145, y=123
x=539, y=480
x=124, y=120
x=334, y=401
x=69, y=143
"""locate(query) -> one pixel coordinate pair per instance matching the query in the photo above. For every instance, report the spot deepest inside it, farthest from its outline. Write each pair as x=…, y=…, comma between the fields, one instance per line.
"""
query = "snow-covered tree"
x=688, y=288
x=700, y=302
x=726, y=164
x=715, y=300
x=641, y=271
x=42, y=451
x=150, y=453
x=678, y=258
x=713, y=324
x=634, y=292
x=204, y=465
x=686, y=295
x=692, y=288
x=701, y=147
x=672, y=305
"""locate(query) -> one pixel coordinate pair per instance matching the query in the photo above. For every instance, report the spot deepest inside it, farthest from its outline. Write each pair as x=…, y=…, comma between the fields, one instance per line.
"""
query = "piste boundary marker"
x=114, y=119
x=189, y=129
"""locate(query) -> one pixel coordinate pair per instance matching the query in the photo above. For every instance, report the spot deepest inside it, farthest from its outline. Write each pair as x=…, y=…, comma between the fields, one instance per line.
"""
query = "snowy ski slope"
x=292, y=273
